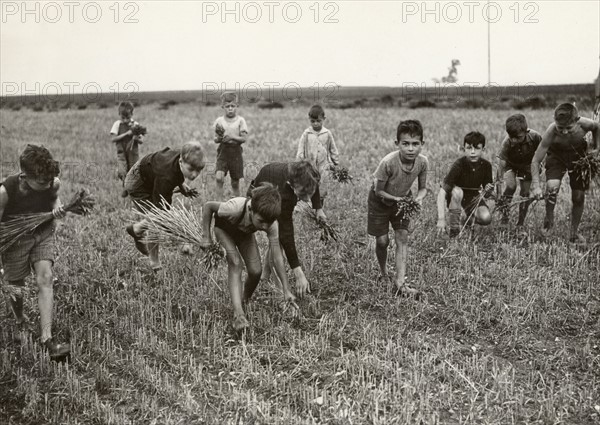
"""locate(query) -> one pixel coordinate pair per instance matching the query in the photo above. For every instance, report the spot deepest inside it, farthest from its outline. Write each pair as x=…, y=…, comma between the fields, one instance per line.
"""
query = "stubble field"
x=508, y=331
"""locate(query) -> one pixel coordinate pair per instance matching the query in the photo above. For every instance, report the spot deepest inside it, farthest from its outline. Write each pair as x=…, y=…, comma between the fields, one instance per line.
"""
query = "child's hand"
x=129, y=133
x=289, y=300
x=536, y=192
x=302, y=286
x=59, y=212
x=227, y=139
x=188, y=191
x=321, y=216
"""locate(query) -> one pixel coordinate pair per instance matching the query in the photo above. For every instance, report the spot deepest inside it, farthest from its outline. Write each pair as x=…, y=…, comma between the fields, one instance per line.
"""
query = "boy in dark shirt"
x=295, y=181
x=156, y=176
x=34, y=190
x=463, y=184
x=516, y=153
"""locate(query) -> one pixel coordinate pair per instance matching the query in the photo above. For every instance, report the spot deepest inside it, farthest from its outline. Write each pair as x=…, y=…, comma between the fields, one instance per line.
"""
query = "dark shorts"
x=381, y=215
x=134, y=185
x=229, y=160
x=468, y=201
x=556, y=167
x=19, y=259
x=523, y=173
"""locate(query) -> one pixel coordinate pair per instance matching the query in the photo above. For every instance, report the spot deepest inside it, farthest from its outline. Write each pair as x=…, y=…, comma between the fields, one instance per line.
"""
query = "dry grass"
x=508, y=332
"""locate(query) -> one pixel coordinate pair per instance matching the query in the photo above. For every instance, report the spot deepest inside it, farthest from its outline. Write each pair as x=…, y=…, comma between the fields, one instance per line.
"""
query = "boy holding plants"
x=468, y=178
x=295, y=181
x=34, y=190
x=564, y=143
x=393, y=179
x=126, y=141
x=154, y=178
x=230, y=132
x=316, y=145
x=236, y=221
x=516, y=153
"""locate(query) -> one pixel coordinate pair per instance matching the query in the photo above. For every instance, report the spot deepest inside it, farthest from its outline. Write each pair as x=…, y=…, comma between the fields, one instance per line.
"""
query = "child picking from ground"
x=316, y=145
x=516, y=153
x=34, y=190
x=154, y=178
x=125, y=141
x=295, y=181
x=462, y=186
x=564, y=143
x=230, y=132
x=236, y=221
x=393, y=179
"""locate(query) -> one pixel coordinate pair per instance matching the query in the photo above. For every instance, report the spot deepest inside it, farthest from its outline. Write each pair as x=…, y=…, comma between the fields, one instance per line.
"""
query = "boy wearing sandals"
x=34, y=190
x=462, y=185
x=393, y=179
x=155, y=177
x=236, y=221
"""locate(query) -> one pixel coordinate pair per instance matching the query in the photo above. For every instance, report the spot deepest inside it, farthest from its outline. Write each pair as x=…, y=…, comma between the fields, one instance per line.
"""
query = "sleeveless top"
x=27, y=201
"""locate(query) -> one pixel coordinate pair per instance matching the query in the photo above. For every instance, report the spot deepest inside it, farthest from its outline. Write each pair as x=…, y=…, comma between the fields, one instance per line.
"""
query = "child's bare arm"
x=273, y=234
x=116, y=139
x=209, y=209
x=594, y=127
x=239, y=139
x=379, y=191
x=3, y=200
x=441, y=207
x=540, y=154
x=57, y=207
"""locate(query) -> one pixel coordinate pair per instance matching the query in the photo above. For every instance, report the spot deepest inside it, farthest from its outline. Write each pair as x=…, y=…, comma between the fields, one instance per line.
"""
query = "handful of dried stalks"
x=138, y=130
x=407, y=207
x=175, y=224
x=219, y=130
x=341, y=174
x=328, y=232
x=16, y=226
x=587, y=168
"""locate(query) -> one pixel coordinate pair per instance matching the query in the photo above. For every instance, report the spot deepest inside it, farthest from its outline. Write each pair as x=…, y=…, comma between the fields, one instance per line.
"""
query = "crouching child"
x=236, y=221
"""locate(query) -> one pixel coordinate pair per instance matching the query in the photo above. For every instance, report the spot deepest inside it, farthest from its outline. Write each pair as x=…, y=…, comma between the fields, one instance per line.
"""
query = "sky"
x=72, y=46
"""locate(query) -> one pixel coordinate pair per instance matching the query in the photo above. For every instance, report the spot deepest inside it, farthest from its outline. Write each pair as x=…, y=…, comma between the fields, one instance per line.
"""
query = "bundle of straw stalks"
x=175, y=224
x=342, y=175
x=138, y=130
x=219, y=130
x=328, y=232
x=18, y=225
x=407, y=207
x=587, y=168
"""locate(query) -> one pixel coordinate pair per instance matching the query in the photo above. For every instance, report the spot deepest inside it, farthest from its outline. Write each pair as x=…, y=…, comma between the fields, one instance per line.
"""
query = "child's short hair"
x=410, y=127
x=305, y=174
x=516, y=124
x=229, y=97
x=474, y=138
x=36, y=161
x=565, y=114
x=315, y=112
x=193, y=154
x=125, y=106
x=266, y=201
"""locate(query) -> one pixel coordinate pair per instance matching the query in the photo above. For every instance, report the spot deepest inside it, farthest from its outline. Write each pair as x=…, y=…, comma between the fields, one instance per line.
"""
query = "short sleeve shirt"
x=469, y=176
x=398, y=177
x=520, y=154
x=233, y=211
x=234, y=127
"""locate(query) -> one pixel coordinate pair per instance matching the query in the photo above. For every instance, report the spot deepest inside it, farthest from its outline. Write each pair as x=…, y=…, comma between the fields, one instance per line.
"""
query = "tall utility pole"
x=489, y=51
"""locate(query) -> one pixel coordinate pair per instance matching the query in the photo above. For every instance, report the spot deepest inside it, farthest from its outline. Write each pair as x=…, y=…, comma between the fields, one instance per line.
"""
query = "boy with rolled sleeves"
x=393, y=179
x=125, y=141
